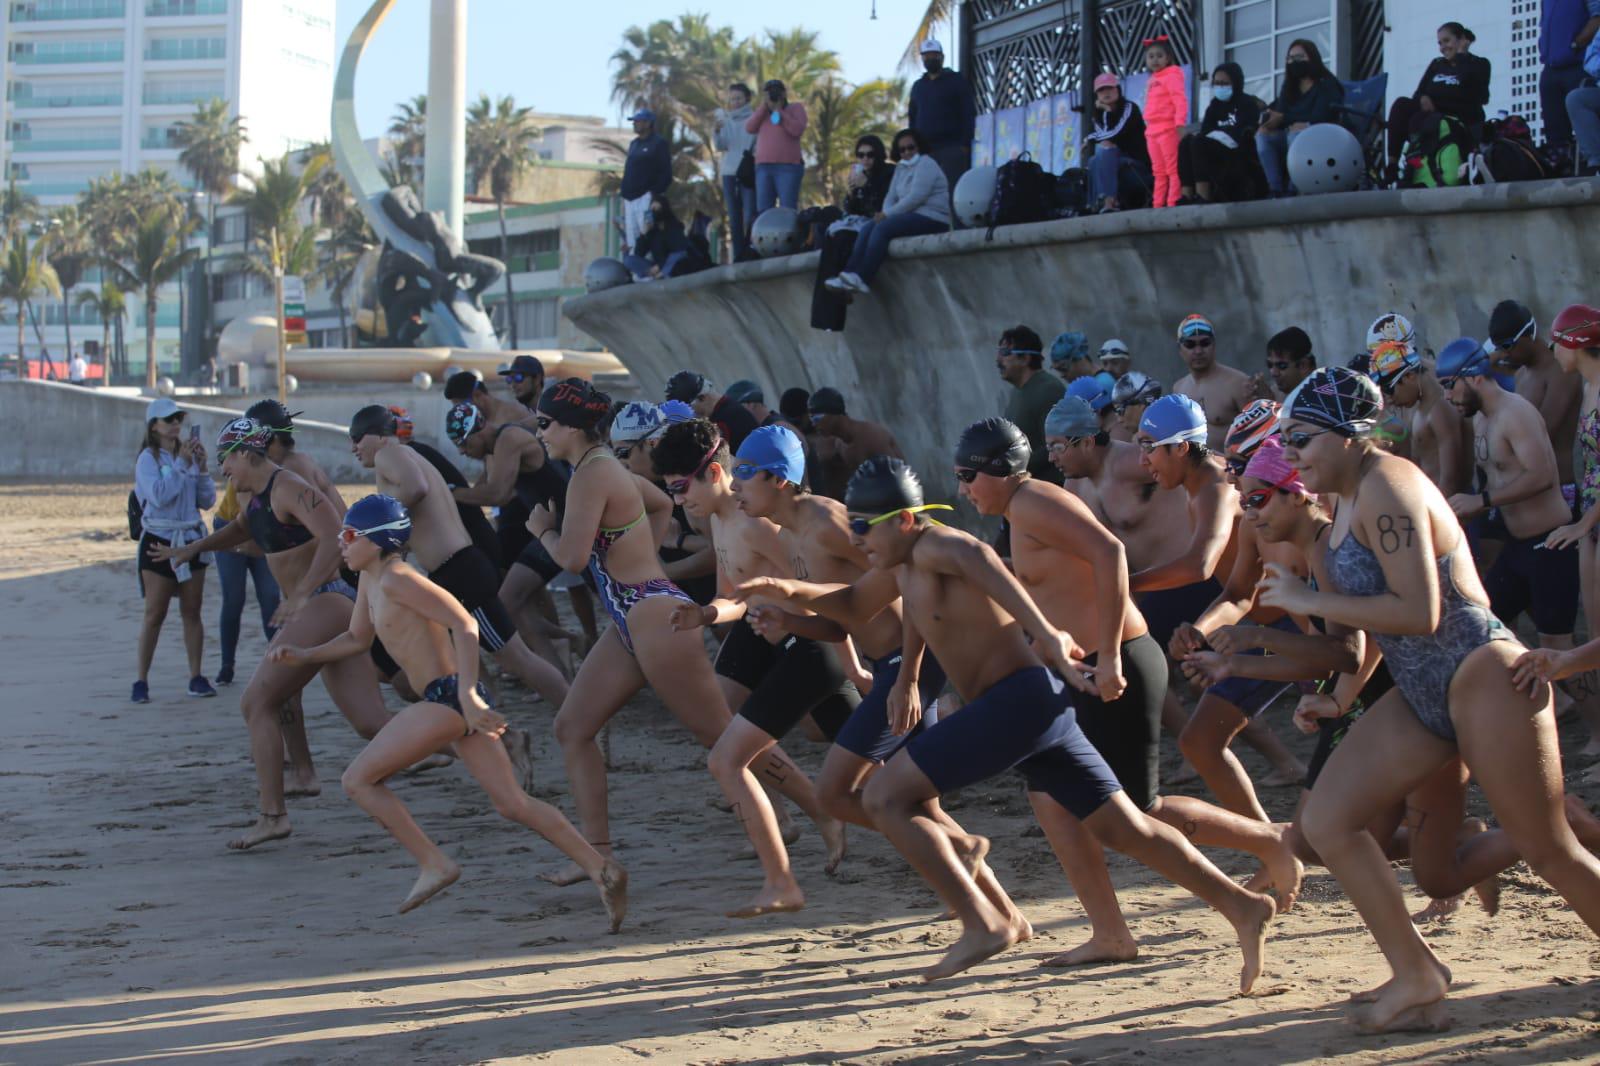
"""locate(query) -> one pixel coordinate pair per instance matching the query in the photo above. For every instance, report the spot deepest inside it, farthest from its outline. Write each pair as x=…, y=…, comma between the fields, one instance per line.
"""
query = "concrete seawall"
x=918, y=354
x=62, y=431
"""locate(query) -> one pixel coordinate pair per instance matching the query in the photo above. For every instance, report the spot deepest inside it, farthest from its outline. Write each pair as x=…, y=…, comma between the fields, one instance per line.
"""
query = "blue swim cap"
x=775, y=449
x=675, y=411
x=1091, y=391
x=1069, y=347
x=1462, y=358
x=1107, y=380
x=381, y=519
x=1174, y=419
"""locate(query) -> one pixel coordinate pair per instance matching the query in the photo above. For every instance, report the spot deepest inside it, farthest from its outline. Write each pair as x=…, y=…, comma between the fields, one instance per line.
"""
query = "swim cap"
x=1389, y=362
x=1071, y=418
x=687, y=386
x=575, y=402
x=882, y=484
x=376, y=419
x=1115, y=348
x=826, y=401
x=1461, y=358
x=675, y=411
x=1509, y=322
x=1069, y=347
x=1577, y=327
x=993, y=446
x=461, y=385
x=635, y=421
x=775, y=449
x=1269, y=465
x=402, y=422
x=1252, y=427
x=1107, y=380
x=1391, y=327
x=745, y=391
x=462, y=421
x=1173, y=420
x=1091, y=391
x=1336, y=398
x=381, y=519
x=1194, y=324
x=273, y=415
x=243, y=434
x=1135, y=387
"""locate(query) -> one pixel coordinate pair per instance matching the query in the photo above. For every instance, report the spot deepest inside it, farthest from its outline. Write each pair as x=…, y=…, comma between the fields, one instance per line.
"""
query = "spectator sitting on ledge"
x=1455, y=84
x=1119, y=168
x=1309, y=95
x=918, y=202
x=664, y=249
x=868, y=186
x=1219, y=164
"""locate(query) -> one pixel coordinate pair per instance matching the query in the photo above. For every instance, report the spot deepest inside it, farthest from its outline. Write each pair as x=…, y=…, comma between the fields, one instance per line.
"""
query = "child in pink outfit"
x=1166, y=112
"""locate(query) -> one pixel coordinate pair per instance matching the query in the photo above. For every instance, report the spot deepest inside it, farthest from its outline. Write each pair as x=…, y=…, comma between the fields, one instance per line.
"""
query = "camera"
x=774, y=90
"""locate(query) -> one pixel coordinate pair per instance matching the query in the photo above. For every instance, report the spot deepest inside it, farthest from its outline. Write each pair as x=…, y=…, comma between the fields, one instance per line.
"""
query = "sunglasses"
x=866, y=154
x=1254, y=501
x=517, y=376
x=1300, y=438
x=1235, y=465
x=680, y=486
x=544, y=421
x=176, y=416
x=816, y=419
x=1149, y=446
x=1197, y=342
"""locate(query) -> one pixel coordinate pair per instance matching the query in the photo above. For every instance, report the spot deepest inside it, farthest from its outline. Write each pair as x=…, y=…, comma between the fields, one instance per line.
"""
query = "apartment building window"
x=232, y=229
x=536, y=318
x=1256, y=35
x=62, y=10
x=41, y=95
x=159, y=8
x=183, y=90
x=73, y=138
x=159, y=137
x=30, y=53
x=186, y=48
x=237, y=287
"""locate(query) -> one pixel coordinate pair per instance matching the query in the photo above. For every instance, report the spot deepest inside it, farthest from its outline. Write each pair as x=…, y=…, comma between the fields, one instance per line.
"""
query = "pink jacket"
x=778, y=142
x=1166, y=103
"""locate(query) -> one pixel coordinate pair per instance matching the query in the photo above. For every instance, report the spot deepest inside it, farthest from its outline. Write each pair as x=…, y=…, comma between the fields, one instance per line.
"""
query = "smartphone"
x=194, y=432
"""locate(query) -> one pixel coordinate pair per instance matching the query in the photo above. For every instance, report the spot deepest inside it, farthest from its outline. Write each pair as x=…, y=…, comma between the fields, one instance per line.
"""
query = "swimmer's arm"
x=1531, y=444
x=313, y=511
x=850, y=605
x=1298, y=656
x=699, y=564
x=357, y=640
x=1349, y=685
x=1212, y=529
x=405, y=587
x=1447, y=440
x=499, y=480
x=405, y=479
x=1239, y=594
x=580, y=519
x=912, y=647
x=657, y=509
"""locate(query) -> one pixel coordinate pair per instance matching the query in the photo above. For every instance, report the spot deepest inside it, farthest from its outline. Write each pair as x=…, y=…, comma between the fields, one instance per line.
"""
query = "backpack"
x=135, y=515
x=1072, y=193
x=1435, y=154
x=1023, y=192
x=1508, y=154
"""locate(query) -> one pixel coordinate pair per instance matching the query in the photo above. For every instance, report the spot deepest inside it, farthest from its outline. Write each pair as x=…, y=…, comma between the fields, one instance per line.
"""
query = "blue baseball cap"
x=644, y=114
x=775, y=449
x=1462, y=358
x=1092, y=391
x=1174, y=419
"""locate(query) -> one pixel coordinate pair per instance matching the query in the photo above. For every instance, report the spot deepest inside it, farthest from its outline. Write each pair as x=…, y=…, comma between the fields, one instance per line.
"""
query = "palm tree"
x=210, y=140
x=70, y=252
x=18, y=208
x=939, y=11
x=108, y=304
x=25, y=272
x=158, y=253
x=409, y=128
x=273, y=206
x=500, y=152
x=341, y=254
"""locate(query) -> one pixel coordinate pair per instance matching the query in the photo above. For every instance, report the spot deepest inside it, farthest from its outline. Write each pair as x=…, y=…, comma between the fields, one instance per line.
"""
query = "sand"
x=129, y=934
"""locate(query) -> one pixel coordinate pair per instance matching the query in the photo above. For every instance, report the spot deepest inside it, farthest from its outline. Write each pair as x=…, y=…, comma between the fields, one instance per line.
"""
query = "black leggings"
x=1233, y=173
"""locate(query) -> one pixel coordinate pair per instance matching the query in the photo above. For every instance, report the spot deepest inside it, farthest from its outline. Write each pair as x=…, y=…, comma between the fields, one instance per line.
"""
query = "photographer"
x=777, y=124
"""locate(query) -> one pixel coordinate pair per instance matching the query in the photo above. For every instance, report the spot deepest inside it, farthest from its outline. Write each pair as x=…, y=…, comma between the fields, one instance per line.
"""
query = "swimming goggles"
x=860, y=526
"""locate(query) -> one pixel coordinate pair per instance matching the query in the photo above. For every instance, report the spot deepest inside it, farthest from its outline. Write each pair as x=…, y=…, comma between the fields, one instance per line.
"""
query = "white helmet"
x=1326, y=158
x=974, y=196
x=776, y=232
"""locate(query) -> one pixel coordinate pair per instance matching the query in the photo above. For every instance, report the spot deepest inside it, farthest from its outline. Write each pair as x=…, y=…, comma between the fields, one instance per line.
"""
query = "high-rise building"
x=95, y=86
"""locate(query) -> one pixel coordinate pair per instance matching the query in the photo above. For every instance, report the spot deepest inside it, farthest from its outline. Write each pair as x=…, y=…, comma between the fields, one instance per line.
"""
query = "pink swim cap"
x=1269, y=465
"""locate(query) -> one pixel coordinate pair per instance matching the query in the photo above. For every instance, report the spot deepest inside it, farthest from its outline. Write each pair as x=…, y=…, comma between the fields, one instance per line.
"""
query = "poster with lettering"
x=983, y=141
x=1009, y=134
x=1068, y=133
x=1039, y=132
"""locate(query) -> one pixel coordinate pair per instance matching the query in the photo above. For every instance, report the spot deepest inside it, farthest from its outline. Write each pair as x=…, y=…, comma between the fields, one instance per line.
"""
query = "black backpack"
x=1072, y=193
x=135, y=515
x=1508, y=154
x=1023, y=192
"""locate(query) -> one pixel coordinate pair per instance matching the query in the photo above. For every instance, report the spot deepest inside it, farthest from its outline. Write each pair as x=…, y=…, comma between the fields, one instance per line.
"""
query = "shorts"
x=1127, y=733
x=801, y=677
x=1024, y=721
x=1166, y=609
x=471, y=578
x=537, y=557
x=511, y=529
x=1253, y=695
x=447, y=691
x=1540, y=581
x=161, y=568
x=867, y=733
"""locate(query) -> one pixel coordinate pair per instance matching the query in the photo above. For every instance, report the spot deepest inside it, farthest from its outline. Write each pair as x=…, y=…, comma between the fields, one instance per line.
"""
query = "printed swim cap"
x=243, y=434
x=576, y=403
x=1336, y=398
x=1391, y=327
x=1391, y=361
x=1069, y=347
x=1253, y=425
x=1577, y=327
x=462, y=421
x=1269, y=465
x=1173, y=420
x=635, y=421
x=675, y=411
x=1135, y=387
x=993, y=446
x=1194, y=324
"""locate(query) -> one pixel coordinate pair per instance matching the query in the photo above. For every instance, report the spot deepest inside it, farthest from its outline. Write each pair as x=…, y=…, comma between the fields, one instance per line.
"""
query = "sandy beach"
x=128, y=933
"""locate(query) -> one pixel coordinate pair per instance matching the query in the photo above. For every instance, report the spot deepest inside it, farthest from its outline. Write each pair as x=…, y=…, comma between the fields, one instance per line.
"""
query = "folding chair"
x=1362, y=114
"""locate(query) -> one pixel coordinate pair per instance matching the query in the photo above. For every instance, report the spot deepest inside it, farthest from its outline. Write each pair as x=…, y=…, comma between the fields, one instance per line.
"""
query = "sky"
x=554, y=55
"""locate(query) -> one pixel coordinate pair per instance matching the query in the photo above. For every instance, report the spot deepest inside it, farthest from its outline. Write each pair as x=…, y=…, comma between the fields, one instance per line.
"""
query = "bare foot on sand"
x=772, y=901
x=1251, y=925
x=572, y=873
x=1405, y=1006
x=429, y=884
x=1285, y=777
x=1096, y=950
x=1585, y=826
x=1438, y=909
x=437, y=761
x=975, y=945
x=832, y=832
x=613, y=884
x=1286, y=872
x=1021, y=928
x=1371, y=995
x=267, y=827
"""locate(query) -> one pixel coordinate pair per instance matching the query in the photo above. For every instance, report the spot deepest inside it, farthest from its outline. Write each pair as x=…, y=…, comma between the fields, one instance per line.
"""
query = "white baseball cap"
x=931, y=45
x=161, y=407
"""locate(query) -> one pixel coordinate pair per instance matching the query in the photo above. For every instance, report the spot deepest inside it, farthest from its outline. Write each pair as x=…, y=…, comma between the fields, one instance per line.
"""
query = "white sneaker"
x=836, y=284
x=853, y=282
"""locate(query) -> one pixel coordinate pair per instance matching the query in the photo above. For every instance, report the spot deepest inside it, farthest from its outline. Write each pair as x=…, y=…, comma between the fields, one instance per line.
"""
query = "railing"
x=186, y=48
x=527, y=264
x=62, y=10
x=53, y=188
x=110, y=98
x=158, y=139
x=185, y=94
x=160, y=8
x=29, y=145
x=42, y=53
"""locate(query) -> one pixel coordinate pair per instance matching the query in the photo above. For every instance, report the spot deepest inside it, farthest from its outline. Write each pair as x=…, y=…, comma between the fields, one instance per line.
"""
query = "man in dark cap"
x=700, y=392
x=525, y=378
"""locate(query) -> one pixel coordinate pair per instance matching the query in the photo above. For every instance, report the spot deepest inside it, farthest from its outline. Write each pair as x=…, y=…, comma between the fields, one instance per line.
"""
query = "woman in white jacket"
x=918, y=203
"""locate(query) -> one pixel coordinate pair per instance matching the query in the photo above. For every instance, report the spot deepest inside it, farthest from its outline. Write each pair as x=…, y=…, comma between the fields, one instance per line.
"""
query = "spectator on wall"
x=1219, y=164
x=918, y=202
x=777, y=125
x=664, y=250
x=944, y=110
x=1583, y=108
x=1119, y=166
x=1166, y=112
x=1309, y=95
x=1455, y=84
x=867, y=188
x=738, y=195
x=645, y=175
x=1565, y=29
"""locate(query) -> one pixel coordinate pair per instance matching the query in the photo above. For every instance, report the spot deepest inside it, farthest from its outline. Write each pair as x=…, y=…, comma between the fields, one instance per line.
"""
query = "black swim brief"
x=447, y=691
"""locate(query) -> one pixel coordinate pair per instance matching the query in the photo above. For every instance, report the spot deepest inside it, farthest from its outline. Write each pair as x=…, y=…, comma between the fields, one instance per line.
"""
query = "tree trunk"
x=344, y=326
x=211, y=240
x=105, y=349
x=22, y=360
x=66, y=321
x=511, y=297
x=150, y=341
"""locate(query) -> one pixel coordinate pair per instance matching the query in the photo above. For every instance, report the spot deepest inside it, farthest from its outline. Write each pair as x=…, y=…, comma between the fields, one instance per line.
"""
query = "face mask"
x=1299, y=68
x=1223, y=93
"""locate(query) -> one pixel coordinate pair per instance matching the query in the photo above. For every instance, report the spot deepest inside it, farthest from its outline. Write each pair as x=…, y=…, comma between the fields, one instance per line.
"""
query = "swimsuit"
x=1589, y=448
x=447, y=691
x=471, y=578
x=1249, y=694
x=867, y=733
x=1421, y=664
x=1165, y=610
x=270, y=533
x=1127, y=731
x=1544, y=582
x=620, y=597
x=787, y=680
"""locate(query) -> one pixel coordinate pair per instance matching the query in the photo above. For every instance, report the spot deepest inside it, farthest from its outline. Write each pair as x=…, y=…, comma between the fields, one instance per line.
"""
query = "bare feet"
x=1585, y=826
x=267, y=827
x=1021, y=928
x=1409, y=1004
x=1286, y=871
x=613, y=884
x=975, y=945
x=1284, y=776
x=1372, y=994
x=1251, y=925
x=832, y=831
x=772, y=901
x=1439, y=909
x=971, y=850
x=429, y=884
x=572, y=873
x=1096, y=950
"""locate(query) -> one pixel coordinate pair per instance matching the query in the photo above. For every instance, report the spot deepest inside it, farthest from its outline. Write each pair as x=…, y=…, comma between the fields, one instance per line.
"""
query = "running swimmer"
x=431, y=634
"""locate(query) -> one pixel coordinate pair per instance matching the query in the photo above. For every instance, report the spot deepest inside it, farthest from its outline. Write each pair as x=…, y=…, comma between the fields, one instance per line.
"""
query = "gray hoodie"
x=732, y=141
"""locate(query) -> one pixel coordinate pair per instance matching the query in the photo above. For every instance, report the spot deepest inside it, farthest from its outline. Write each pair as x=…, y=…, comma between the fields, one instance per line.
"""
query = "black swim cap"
x=993, y=446
x=883, y=484
x=1336, y=398
x=376, y=419
x=575, y=402
x=687, y=386
x=273, y=415
x=826, y=401
x=461, y=385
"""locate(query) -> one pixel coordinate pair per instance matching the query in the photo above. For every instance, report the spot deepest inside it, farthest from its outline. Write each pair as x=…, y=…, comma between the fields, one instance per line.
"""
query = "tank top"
x=271, y=535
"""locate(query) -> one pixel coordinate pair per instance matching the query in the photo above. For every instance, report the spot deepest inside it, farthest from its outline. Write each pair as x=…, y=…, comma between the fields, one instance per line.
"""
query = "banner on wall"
x=983, y=141
x=1009, y=134
x=1040, y=132
x=1067, y=133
